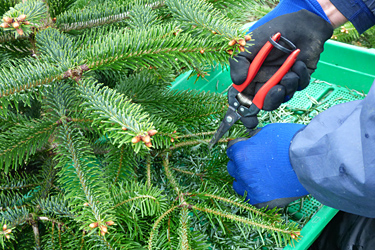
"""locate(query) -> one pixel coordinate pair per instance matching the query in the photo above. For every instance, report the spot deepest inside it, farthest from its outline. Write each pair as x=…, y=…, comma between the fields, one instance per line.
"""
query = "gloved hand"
x=304, y=23
x=261, y=166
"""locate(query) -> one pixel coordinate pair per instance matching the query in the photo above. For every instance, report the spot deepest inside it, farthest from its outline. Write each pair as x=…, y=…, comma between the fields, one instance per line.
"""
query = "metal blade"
x=230, y=118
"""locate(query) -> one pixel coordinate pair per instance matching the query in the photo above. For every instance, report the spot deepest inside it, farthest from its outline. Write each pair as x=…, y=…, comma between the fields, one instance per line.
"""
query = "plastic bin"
x=341, y=68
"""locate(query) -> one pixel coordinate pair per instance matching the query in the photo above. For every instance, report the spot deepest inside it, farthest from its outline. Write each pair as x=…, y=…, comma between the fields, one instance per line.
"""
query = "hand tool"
x=239, y=104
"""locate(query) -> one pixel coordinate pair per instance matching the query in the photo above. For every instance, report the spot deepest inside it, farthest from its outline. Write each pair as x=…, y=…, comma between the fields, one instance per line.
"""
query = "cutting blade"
x=230, y=118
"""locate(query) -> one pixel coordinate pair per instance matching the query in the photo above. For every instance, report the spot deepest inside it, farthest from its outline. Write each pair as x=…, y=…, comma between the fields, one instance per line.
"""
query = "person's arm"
x=361, y=13
x=335, y=17
x=334, y=158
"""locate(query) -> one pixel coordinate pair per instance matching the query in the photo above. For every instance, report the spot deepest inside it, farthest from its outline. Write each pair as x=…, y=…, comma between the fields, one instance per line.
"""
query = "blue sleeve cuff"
x=357, y=12
x=290, y=6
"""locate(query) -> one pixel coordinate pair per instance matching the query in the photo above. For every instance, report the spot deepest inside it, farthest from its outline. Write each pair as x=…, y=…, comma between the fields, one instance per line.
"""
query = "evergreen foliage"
x=96, y=150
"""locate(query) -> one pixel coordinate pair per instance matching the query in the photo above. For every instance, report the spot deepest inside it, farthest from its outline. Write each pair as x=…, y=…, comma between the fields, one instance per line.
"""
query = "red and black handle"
x=255, y=65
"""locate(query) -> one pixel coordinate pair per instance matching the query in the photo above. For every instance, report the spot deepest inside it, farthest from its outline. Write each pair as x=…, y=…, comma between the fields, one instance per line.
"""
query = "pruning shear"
x=242, y=106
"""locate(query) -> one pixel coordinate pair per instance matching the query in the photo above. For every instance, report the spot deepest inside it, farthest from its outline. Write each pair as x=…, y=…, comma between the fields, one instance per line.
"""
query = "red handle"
x=257, y=63
x=275, y=79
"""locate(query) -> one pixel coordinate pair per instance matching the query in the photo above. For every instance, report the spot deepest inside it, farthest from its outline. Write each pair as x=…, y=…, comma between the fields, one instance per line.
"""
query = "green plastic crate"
x=341, y=69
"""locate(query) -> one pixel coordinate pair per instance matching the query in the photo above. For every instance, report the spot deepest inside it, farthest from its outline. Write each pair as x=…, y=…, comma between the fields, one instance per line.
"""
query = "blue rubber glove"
x=261, y=166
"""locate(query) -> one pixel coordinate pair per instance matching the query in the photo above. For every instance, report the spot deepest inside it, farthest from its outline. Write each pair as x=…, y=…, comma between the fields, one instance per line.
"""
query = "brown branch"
x=119, y=166
x=188, y=172
x=76, y=74
x=169, y=174
x=34, y=225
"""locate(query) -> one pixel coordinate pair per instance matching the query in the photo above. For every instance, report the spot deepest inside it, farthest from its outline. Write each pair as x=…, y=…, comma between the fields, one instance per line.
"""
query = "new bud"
x=232, y=42
x=21, y=18
x=93, y=225
x=4, y=25
x=16, y=25
x=146, y=138
x=242, y=42
x=136, y=139
x=110, y=223
x=152, y=132
x=8, y=20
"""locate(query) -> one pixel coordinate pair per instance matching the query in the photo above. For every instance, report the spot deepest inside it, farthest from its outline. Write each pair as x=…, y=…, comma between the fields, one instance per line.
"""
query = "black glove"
x=304, y=29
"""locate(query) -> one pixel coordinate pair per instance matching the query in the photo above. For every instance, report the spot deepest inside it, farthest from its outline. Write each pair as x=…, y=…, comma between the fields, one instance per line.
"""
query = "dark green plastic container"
x=341, y=68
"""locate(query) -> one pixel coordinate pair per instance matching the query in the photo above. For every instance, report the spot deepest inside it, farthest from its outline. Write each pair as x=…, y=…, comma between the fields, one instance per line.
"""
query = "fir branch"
x=196, y=142
x=27, y=76
x=169, y=175
x=184, y=229
x=80, y=176
x=133, y=49
x=34, y=225
x=139, y=198
x=35, y=12
x=19, y=143
x=188, y=172
x=14, y=217
x=55, y=206
x=203, y=14
x=157, y=224
x=19, y=187
x=57, y=48
x=148, y=164
x=95, y=15
x=106, y=13
x=286, y=231
x=142, y=16
x=118, y=164
x=17, y=182
x=243, y=206
x=107, y=107
x=196, y=135
x=56, y=7
x=136, y=198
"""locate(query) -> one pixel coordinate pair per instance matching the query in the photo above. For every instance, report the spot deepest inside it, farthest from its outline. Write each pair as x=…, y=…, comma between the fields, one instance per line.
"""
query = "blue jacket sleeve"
x=361, y=13
x=334, y=156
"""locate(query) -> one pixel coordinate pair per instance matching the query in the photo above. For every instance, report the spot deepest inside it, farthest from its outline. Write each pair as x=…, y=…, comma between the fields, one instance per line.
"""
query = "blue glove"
x=290, y=6
x=261, y=166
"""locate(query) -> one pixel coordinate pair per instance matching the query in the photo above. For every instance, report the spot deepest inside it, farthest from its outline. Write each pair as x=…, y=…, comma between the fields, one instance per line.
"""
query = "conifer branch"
x=148, y=164
x=93, y=16
x=156, y=226
x=184, y=229
x=19, y=187
x=196, y=142
x=26, y=77
x=120, y=164
x=205, y=15
x=17, y=182
x=130, y=49
x=17, y=144
x=169, y=175
x=188, y=172
x=195, y=134
x=76, y=171
x=285, y=230
x=136, y=198
x=107, y=107
x=242, y=205
x=34, y=225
